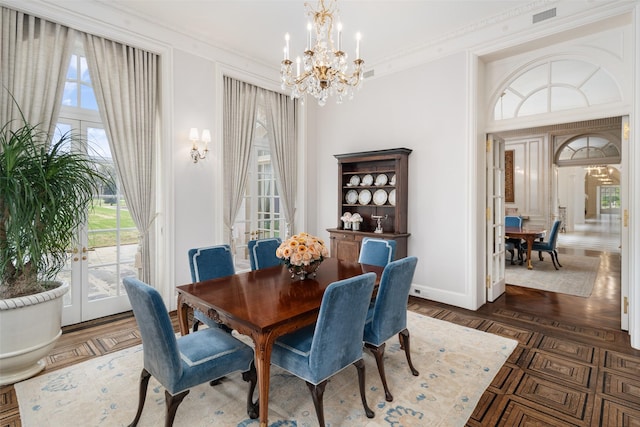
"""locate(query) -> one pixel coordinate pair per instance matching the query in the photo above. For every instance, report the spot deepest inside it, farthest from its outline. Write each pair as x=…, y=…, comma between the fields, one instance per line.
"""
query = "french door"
x=106, y=245
x=260, y=214
x=495, y=281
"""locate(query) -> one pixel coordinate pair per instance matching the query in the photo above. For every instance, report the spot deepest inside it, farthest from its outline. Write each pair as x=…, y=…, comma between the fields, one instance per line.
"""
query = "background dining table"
x=529, y=235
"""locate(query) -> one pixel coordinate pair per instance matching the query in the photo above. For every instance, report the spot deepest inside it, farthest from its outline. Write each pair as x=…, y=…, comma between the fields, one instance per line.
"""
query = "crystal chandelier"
x=323, y=70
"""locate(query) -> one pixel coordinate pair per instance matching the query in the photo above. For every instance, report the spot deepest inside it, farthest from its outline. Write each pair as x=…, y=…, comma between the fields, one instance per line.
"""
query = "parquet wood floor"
x=573, y=365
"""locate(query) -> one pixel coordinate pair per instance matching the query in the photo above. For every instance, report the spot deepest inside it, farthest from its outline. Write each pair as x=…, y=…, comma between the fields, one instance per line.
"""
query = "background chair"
x=181, y=363
x=208, y=263
x=378, y=252
x=317, y=352
x=514, y=221
x=262, y=252
x=549, y=246
x=510, y=247
x=388, y=316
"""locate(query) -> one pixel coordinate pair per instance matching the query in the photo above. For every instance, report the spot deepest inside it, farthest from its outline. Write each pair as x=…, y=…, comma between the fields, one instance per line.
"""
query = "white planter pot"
x=29, y=329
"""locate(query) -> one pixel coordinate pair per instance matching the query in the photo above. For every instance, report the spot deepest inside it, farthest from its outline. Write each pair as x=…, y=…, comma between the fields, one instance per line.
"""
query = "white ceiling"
x=256, y=28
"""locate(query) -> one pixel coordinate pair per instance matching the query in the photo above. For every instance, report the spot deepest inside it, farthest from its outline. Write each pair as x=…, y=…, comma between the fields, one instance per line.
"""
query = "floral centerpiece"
x=302, y=253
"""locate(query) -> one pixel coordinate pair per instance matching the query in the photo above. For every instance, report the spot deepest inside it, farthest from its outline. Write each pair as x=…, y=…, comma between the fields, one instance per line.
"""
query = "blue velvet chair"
x=510, y=247
x=182, y=363
x=549, y=246
x=319, y=351
x=513, y=221
x=378, y=252
x=207, y=263
x=262, y=252
x=388, y=316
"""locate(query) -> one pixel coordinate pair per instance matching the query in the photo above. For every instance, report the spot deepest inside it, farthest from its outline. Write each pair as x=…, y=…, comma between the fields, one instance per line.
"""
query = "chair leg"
x=403, y=336
x=142, y=395
x=554, y=258
x=540, y=256
x=360, y=366
x=252, y=377
x=557, y=260
x=378, y=353
x=512, y=254
x=196, y=323
x=172, y=403
x=317, y=391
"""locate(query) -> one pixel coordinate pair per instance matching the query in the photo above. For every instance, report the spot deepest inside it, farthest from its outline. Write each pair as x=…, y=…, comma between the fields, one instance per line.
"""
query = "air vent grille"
x=544, y=15
x=368, y=74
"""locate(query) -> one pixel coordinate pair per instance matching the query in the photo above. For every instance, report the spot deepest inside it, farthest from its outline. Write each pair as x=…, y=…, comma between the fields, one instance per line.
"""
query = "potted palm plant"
x=45, y=193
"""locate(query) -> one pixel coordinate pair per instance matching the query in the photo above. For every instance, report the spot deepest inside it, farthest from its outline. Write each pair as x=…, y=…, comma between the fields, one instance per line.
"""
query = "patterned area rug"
x=576, y=276
x=456, y=365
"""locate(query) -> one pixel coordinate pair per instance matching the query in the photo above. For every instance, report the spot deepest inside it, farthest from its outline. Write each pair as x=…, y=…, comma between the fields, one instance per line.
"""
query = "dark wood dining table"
x=265, y=304
x=529, y=235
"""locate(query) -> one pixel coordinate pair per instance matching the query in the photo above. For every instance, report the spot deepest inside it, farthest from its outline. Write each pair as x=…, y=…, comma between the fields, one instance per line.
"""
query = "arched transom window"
x=588, y=149
x=555, y=86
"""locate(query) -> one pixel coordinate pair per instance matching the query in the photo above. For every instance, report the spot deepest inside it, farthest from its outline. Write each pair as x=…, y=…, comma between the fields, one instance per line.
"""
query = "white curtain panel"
x=240, y=103
x=125, y=81
x=34, y=56
x=281, y=126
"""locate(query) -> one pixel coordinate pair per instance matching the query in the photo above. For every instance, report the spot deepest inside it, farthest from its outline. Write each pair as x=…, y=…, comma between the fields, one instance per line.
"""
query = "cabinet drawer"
x=342, y=236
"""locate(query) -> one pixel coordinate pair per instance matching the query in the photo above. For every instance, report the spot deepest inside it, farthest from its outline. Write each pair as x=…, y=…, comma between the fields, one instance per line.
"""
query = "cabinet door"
x=345, y=247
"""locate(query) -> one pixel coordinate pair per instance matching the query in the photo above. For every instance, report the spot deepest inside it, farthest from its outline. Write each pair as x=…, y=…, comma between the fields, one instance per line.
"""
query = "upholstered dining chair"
x=388, y=316
x=510, y=247
x=549, y=246
x=514, y=221
x=182, y=363
x=262, y=252
x=378, y=252
x=207, y=263
x=319, y=351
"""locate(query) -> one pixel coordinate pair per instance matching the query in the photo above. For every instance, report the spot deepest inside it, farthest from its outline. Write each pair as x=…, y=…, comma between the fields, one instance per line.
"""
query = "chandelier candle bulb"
x=339, y=36
x=358, y=37
x=286, y=47
x=308, y=37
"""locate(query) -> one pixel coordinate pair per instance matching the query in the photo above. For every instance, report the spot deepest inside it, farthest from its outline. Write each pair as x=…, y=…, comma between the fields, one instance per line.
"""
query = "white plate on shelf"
x=364, y=197
x=380, y=197
x=351, y=197
x=367, y=180
x=355, y=180
x=393, y=180
x=392, y=197
x=381, y=179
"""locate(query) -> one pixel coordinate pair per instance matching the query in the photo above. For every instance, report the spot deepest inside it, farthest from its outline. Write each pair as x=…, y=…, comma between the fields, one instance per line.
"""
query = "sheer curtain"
x=281, y=126
x=240, y=102
x=34, y=56
x=125, y=81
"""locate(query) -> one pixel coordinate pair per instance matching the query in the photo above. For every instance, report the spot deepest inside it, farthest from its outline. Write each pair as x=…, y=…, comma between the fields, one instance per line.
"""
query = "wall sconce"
x=194, y=138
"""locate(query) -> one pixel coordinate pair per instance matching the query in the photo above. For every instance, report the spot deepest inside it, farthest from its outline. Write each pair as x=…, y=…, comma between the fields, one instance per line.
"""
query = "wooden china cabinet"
x=372, y=184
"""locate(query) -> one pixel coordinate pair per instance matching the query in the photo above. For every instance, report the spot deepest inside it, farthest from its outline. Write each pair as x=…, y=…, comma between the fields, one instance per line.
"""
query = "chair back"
x=513, y=221
x=390, y=309
x=262, y=252
x=553, y=235
x=337, y=339
x=159, y=344
x=378, y=252
x=211, y=262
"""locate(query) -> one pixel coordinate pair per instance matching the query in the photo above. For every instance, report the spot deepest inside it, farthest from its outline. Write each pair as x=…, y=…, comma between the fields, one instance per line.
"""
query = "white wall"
x=194, y=208
x=422, y=109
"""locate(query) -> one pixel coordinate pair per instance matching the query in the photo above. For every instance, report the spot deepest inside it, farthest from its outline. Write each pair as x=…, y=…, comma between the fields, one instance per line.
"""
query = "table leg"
x=530, y=240
x=183, y=311
x=263, y=346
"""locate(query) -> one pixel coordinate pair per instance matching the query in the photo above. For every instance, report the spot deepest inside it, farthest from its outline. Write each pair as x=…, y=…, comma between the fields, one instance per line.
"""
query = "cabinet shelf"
x=345, y=244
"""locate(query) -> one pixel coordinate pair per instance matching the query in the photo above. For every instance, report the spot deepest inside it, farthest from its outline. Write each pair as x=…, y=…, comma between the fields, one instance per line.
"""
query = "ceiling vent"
x=368, y=74
x=544, y=15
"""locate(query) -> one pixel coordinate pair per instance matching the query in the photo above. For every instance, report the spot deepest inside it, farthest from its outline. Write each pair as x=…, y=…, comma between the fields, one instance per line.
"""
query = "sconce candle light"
x=194, y=138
